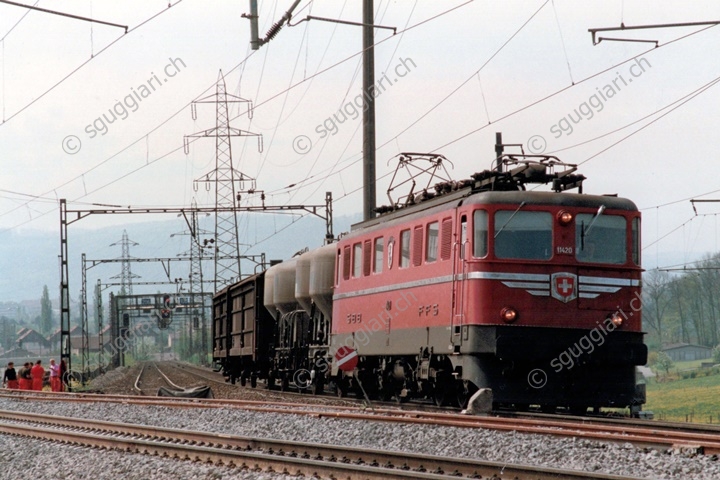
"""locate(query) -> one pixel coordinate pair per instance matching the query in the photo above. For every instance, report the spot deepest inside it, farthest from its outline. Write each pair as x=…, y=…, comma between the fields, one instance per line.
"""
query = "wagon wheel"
x=253, y=380
x=243, y=380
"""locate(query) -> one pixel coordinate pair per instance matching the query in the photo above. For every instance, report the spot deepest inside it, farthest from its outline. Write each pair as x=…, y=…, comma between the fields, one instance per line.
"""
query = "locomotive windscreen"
x=604, y=241
x=523, y=235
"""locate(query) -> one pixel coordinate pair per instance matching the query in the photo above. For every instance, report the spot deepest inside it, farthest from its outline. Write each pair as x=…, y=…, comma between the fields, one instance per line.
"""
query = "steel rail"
x=271, y=455
x=198, y=372
x=650, y=436
x=136, y=386
x=169, y=382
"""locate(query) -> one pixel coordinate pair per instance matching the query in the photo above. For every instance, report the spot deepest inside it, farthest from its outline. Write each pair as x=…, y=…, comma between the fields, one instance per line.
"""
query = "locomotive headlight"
x=508, y=314
x=616, y=319
x=564, y=217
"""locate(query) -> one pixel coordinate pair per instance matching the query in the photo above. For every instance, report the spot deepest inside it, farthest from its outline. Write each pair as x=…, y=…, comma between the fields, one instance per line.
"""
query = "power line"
x=18, y=22
x=340, y=62
x=167, y=120
x=77, y=69
x=63, y=14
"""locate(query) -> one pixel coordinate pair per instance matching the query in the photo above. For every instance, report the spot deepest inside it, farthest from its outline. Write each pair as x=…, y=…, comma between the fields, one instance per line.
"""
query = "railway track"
x=143, y=389
x=201, y=373
x=267, y=455
x=698, y=439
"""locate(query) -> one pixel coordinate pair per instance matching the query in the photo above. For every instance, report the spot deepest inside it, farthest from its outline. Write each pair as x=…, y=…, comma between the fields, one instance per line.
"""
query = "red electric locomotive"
x=483, y=284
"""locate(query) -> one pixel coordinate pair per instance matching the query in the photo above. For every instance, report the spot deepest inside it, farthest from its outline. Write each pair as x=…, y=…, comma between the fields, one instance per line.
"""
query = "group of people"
x=31, y=377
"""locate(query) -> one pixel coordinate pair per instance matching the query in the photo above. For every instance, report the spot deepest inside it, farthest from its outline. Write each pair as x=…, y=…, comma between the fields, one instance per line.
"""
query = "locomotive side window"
x=600, y=238
x=379, y=247
x=338, y=266
x=431, y=245
x=636, y=241
x=523, y=235
x=480, y=233
x=346, y=262
x=446, y=239
x=417, y=248
x=357, y=259
x=367, y=257
x=405, y=249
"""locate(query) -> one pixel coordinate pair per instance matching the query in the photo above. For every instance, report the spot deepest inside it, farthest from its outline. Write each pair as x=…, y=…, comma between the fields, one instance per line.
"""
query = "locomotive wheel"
x=384, y=388
x=340, y=388
x=578, y=410
x=442, y=390
x=440, y=396
x=465, y=390
x=318, y=386
x=399, y=398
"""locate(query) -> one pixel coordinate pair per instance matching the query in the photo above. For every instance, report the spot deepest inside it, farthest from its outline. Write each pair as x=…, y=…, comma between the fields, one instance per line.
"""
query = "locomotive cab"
x=550, y=299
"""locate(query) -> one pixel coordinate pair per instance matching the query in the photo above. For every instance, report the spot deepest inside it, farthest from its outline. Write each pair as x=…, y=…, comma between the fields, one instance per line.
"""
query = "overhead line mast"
x=369, y=176
x=369, y=171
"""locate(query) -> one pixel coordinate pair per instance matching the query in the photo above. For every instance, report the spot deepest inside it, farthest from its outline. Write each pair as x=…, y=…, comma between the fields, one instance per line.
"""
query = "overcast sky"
x=645, y=119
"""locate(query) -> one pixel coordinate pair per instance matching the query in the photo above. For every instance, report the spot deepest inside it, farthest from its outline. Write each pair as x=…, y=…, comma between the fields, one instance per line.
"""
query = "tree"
x=45, y=312
x=657, y=298
x=8, y=336
x=716, y=354
x=664, y=362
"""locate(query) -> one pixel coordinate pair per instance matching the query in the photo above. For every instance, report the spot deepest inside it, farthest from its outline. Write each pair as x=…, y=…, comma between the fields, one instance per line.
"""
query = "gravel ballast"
x=570, y=453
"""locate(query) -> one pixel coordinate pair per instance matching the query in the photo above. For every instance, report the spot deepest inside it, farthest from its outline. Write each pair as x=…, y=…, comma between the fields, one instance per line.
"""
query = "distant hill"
x=30, y=259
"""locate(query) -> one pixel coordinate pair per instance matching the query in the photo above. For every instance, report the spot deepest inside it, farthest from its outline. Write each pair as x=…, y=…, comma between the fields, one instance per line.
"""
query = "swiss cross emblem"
x=563, y=286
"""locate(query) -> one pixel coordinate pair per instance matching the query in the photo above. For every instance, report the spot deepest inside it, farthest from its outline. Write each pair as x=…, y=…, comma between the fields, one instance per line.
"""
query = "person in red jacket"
x=54, y=376
x=37, y=373
x=24, y=377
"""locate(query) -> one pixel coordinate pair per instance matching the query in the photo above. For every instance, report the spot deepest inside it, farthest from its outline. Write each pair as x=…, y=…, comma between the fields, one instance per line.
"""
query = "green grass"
x=693, y=399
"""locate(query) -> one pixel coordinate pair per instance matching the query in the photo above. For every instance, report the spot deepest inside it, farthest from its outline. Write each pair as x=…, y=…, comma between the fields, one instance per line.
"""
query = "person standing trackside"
x=54, y=376
x=10, y=376
x=63, y=375
x=37, y=373
x=24, y=374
